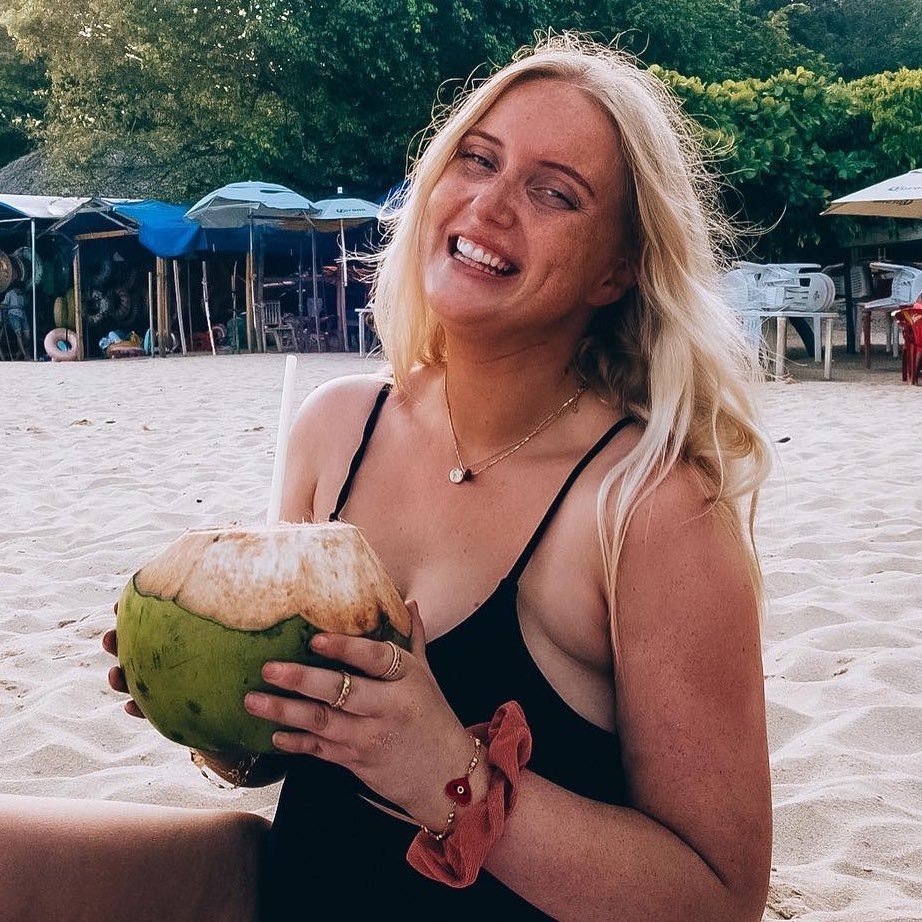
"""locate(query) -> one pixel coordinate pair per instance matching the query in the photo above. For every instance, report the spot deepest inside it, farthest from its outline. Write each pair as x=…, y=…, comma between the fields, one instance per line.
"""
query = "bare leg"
x=89, y=860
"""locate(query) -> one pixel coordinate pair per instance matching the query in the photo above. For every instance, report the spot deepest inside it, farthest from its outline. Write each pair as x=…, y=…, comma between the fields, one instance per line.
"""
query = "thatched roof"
x=32, y=174
x=28, y=176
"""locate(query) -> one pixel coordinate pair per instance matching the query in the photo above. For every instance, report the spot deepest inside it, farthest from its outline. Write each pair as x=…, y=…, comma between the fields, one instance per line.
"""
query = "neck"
x=498, y=399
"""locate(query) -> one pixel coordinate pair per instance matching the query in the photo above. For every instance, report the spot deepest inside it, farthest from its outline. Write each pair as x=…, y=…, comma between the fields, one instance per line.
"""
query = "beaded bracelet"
x=459, y=790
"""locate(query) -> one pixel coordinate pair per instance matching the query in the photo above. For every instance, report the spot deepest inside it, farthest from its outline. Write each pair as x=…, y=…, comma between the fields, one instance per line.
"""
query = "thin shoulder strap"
x=519, y=566
x=370, y=424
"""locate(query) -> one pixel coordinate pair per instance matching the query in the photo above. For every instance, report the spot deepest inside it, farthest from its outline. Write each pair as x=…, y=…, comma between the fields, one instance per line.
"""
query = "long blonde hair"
x=671, y=349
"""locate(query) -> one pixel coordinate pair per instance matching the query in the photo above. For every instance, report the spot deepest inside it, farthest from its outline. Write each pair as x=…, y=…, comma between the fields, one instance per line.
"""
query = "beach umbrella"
x=897, y=197
x=336, y=214
x=239, y=203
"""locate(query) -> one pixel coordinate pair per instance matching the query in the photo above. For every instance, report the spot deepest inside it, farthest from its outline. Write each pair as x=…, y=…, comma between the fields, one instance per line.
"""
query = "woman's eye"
x=557, y=198
x=476, y=159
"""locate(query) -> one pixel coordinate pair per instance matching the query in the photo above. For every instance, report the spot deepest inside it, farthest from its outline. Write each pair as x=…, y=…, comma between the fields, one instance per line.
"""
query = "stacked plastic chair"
x=775, y=287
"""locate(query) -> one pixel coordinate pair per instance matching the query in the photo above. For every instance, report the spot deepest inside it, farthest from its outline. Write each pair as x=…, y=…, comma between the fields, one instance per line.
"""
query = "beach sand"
x=103, y=463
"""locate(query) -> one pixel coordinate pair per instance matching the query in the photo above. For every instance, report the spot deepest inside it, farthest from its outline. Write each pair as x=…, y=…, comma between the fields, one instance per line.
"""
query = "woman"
x=562, y=454
x=553, y=476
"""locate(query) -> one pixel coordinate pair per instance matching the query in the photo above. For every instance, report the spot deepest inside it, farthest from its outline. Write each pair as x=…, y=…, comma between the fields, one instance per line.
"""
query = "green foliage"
x=787, y=145
x=714, y=39
x=862, y=36
x=892, y=103
x=22, y=100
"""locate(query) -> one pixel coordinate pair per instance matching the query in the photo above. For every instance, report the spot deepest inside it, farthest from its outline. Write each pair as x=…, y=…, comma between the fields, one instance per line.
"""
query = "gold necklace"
x=467, y=472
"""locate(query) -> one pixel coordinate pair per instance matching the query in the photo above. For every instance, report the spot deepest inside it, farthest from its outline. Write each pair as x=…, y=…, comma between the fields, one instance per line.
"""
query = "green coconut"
x=197, y=623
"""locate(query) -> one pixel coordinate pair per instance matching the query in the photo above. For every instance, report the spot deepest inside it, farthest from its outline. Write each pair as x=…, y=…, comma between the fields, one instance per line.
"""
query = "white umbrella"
x=898, y=197
x=340, y=213
x=238, y=203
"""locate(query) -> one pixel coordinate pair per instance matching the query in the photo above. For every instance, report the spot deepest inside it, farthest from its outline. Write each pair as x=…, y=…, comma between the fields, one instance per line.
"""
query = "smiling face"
x=525, y=228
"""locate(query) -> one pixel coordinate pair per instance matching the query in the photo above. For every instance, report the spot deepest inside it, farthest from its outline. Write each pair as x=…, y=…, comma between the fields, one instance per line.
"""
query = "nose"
x=495, y=202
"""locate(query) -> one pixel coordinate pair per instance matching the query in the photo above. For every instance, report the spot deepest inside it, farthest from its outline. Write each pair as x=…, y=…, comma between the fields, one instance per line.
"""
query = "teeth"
x=477, y=253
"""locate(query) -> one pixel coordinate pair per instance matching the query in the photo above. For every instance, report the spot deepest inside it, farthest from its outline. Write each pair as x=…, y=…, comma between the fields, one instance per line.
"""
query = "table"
x=822, y=344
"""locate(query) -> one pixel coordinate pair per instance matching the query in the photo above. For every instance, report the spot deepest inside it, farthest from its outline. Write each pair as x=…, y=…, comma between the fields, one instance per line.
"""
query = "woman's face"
x=525, y=228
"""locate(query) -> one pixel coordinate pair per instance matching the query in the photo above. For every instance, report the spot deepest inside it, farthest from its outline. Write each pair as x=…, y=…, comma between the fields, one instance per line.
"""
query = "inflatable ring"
x=6, y=272
x=174, y=343
x=24, y=254
x=102, y=307
x=61, y=345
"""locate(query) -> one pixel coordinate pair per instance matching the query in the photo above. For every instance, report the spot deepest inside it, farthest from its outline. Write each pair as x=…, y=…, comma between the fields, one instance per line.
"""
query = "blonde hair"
x=671, y=349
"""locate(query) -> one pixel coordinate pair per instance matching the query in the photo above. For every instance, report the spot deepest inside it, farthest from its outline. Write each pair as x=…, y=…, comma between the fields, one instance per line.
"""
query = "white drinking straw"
x=281, y=443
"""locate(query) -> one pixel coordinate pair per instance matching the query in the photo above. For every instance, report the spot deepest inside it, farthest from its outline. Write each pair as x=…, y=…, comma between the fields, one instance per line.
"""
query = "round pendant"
x=456, y=475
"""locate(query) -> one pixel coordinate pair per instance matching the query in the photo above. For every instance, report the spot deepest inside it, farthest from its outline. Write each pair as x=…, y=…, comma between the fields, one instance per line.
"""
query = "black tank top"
x=331, y=854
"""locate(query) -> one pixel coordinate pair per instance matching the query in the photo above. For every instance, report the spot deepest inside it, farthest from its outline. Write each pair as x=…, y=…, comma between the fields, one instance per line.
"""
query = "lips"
x=480, y=257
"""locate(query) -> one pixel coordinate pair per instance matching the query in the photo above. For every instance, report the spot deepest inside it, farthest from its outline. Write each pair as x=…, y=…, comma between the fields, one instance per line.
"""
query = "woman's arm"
x=696, y=843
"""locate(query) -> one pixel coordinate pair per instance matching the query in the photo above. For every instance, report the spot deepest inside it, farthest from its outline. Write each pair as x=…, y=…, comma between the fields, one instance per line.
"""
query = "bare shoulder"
x=324, y=435
x=678, y=533
x=336, y=401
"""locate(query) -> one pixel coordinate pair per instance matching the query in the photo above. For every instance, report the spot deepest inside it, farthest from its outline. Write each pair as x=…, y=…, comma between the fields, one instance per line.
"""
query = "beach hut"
x=22, y=219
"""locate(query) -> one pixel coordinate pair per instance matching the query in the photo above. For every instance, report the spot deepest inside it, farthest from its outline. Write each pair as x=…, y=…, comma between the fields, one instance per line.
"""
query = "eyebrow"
x=575, y=175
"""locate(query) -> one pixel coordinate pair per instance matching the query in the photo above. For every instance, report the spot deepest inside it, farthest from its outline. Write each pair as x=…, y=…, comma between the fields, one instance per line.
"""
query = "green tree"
x=23, y=89
x=863, y=36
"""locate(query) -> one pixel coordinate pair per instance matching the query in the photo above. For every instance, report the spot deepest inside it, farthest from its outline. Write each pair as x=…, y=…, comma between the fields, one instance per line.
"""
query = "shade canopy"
x=239, y=203
x=898, y=197
x=337, y=213
x=39, y=207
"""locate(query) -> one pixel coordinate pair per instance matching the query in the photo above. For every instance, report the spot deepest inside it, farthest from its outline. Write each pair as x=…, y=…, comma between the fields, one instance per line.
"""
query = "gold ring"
x=344, y=690
x=392, y=671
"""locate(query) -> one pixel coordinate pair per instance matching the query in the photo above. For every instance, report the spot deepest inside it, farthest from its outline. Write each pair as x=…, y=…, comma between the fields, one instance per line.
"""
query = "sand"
x=105, y=462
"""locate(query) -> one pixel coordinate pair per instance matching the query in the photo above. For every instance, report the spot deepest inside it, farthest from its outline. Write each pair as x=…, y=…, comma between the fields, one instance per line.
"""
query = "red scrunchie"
x=457, y=859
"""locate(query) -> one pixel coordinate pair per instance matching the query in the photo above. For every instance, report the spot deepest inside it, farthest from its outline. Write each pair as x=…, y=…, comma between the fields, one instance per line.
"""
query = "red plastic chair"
x=909, y=320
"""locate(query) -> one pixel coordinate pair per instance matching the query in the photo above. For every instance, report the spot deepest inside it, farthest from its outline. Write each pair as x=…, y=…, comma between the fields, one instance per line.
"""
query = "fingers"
x=324, y=686
x=117, y=679
x=371, y=657
x=110, y=642
x=131, y=707
x=417, y=630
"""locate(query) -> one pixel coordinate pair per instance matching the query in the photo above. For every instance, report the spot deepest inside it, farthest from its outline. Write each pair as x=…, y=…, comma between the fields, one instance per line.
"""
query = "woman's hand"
x=116, y=676
x=396, y=734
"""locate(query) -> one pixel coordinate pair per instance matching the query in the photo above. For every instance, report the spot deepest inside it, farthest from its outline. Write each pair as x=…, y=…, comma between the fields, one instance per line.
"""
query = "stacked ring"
x=393, y=670
x=344, y=691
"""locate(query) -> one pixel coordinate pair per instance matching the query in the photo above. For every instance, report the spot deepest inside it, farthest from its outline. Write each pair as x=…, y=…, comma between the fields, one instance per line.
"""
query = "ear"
x=614, y=285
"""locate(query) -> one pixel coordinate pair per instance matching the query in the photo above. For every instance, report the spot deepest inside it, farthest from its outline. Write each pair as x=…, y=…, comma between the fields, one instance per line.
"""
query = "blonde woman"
x=559, y=475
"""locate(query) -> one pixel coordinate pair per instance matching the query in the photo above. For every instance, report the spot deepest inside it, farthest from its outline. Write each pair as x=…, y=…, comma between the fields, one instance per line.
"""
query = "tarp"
x=163, y=228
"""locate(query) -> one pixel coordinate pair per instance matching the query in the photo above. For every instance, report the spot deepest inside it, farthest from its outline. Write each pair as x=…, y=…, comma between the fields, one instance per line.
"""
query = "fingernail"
x=272, y=671
x=319, y=642
x=254, y=701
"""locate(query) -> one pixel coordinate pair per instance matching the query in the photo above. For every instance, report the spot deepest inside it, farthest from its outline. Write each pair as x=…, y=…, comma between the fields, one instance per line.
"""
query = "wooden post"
x=341, y=310
x=163, y=326
x=250, y=306
x=207, y=307
x=150, y=312
x=78, y=304
x=178, y=288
